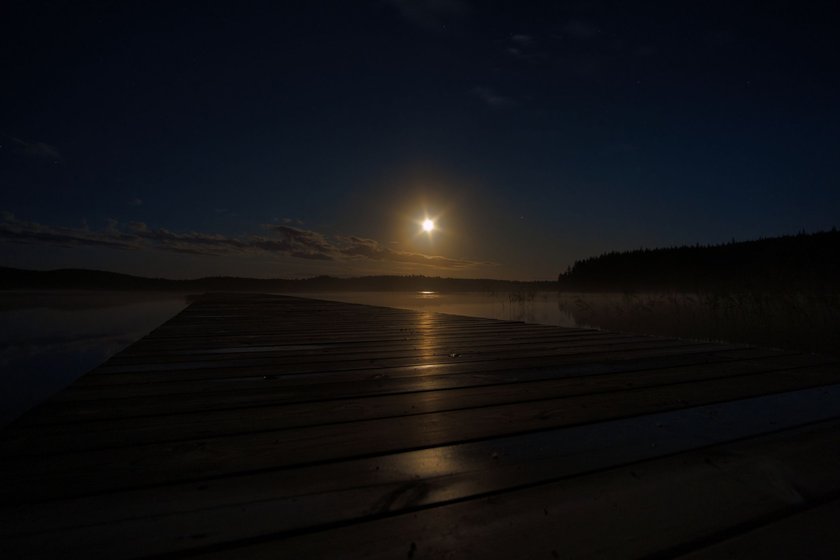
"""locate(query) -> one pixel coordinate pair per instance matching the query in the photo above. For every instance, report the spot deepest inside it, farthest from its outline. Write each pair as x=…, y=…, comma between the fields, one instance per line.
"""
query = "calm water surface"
x=533, y=307
x=47, y=340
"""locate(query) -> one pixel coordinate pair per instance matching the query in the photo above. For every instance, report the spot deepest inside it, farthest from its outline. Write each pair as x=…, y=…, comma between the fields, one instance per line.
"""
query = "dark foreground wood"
x=256, y=426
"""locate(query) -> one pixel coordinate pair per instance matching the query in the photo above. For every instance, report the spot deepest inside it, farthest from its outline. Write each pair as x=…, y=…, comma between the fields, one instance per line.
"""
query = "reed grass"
x=796, y=321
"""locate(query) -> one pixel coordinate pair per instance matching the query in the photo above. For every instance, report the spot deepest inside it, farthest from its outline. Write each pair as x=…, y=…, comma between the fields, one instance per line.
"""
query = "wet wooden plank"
x=170, y=382
x=350, y=358
x=257, y=426
x=292, y=353
x=635, y=511
x=272, y=503
x=811, y=534
x=85, y=472
x=183, y=427
x=412, y=357
x=256, y=391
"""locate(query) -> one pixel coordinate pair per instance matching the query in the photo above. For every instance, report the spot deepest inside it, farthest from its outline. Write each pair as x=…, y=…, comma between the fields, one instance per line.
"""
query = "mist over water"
x=794, y=321
x=803, y=322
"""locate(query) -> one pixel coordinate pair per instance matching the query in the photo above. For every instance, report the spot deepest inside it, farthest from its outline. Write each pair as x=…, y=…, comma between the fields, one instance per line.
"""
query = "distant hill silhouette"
x=81, y=279
x=805, y=262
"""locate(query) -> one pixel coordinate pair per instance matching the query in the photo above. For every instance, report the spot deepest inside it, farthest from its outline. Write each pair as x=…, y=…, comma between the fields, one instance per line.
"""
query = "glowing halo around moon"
x=428, y=225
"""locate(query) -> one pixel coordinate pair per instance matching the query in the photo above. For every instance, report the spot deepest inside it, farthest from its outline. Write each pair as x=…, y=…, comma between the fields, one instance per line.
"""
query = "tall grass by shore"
x=808, y=322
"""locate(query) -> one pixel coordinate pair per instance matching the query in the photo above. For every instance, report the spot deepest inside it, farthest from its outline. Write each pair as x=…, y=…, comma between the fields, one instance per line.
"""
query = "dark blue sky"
x=298, y=138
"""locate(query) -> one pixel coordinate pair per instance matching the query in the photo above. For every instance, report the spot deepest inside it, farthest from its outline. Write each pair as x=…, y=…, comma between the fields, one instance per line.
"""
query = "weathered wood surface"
x=254, y=426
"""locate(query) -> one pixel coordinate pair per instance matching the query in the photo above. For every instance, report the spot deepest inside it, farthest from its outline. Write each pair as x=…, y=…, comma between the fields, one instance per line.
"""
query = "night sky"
x=289, y=139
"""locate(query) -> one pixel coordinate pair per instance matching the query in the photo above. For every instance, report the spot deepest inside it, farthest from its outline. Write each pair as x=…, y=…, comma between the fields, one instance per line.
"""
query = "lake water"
x=48, y=339
x=802, y=322
x=533, y=307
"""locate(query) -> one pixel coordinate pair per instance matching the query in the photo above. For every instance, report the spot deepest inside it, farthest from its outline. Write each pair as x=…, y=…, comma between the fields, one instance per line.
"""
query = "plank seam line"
x=364, y=396
x=742, y=528
x=159, y=334
x=267, y=362
x=370, y=455
x=249, y=350
x=415, y=414
x=234, y=544
x=413, y=509
x=235, y=378
x=712, y=347
x=440, y=351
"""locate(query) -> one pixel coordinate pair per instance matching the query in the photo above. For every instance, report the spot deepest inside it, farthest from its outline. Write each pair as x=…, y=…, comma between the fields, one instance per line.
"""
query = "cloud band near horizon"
x=281, y=240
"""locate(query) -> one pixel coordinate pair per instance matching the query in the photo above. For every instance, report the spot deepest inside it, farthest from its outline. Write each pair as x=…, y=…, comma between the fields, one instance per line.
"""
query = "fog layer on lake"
x=795, y=321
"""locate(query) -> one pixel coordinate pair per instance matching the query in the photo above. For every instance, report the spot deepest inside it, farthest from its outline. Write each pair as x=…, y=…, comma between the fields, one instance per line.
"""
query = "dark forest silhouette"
x=803, y=262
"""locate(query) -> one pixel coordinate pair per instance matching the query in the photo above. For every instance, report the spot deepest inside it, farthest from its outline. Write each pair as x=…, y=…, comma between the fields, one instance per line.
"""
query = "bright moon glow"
x=428, y=225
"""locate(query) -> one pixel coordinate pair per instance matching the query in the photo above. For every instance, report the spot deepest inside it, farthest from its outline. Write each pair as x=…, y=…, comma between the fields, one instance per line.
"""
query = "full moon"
x=428, y=225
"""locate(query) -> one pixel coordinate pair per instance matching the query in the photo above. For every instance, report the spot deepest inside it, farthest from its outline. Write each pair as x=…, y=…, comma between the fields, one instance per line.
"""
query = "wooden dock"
x=253, y=426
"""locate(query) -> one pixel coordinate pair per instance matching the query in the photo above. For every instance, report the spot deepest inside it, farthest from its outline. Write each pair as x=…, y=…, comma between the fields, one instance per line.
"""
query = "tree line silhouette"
x=802, y=262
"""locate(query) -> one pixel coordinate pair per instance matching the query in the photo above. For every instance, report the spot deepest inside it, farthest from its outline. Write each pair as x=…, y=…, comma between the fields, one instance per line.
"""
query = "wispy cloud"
x=522, y=39
x=721, y=38
x=491, y=98
x=301, y=243
x=430, y=14
x=581, y=30
x=521, y=45
x=370, y=249
x=279, y=240
x=38, y=150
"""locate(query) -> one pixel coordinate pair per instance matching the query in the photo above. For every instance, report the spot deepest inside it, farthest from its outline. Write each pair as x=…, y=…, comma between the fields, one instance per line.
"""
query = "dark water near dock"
x=48, y=339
